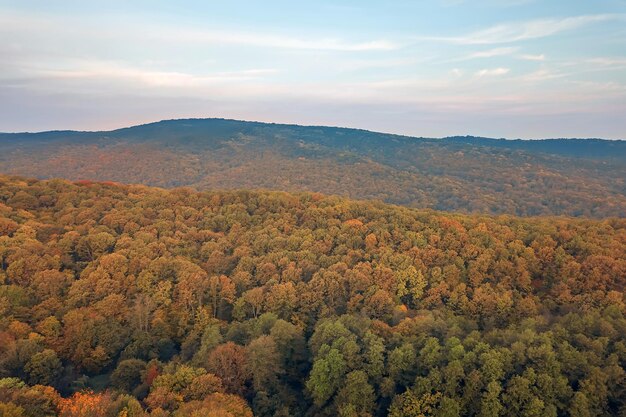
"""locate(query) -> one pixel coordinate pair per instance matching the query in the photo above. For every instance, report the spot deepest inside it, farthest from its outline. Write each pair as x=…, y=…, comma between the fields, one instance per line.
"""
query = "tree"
x=23, y=200
x=44, y=368
x=490, y=405
x=291, y=346
x=579, y=406
x=410, y=405
x=11, y=410
x=254, y=299
x=7, y=226
x=221, y=291
x=356, y=397
x=94, y=245
x=401, y=364
x=410, y=285
x=216, y=405
x=128, y=374
x=85, y=404
x=282, y=299
x=326, y=376
x=228, y=361
x=202, y=386
x=211, y=337
x=519, y=400
x=374, y=356
x=264, y=363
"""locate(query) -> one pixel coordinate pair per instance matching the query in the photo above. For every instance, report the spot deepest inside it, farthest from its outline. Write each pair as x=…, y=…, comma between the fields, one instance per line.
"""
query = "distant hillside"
x=576, y=177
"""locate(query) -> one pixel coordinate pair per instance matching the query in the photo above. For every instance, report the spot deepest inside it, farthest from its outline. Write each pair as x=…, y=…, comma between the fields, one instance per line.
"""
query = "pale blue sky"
x=500, y=68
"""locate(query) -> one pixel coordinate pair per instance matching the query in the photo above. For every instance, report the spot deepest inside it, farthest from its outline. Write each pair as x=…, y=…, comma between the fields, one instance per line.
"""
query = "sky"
x=496, y=68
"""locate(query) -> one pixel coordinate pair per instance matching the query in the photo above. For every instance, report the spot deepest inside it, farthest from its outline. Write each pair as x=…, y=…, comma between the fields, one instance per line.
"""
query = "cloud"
x=493, y=72
x=493, y=52
x=456, y=72
x=378, y=63
x=531, y=29
x=56, y=59
x=608, y=62
x=11, y=23
x=111, y=71
x=542, y=75
x=275, y=41
x=597, y=64
x=489, y=53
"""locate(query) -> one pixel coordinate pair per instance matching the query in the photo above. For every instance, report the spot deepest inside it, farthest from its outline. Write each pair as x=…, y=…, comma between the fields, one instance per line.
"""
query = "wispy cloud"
x=276, y=41
x=483, y=54
x=597, y=64
x=111, y=71
x=457, y=72
x=17, y=22
x=520, y=31
x=493, y=52
x=138, y=59
x=378, y=63
x=491, y=72
x=542, y=75
x=531, y=57
x=608, y=61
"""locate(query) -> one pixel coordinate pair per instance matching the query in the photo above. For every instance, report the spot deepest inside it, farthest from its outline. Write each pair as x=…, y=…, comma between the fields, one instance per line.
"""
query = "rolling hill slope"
x=165, y=302
x=572, y=177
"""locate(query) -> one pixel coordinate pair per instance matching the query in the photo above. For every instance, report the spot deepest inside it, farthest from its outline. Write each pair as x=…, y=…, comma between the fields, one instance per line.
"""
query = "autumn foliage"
x=83, y=404
x=129, y=301
x=463, y=174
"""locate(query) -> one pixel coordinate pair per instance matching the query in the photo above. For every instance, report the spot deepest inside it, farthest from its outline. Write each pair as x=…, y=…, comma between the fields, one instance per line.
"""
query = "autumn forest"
x=132, y=301
x=330, y=208
x=572, y=177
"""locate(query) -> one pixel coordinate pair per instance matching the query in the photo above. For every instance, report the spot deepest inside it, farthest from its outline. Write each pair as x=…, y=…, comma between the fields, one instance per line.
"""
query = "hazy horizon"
x=505, y=69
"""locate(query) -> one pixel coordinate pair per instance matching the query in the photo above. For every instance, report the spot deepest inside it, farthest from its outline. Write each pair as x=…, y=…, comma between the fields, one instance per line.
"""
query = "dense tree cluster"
x=524, y=178
x=134, y=301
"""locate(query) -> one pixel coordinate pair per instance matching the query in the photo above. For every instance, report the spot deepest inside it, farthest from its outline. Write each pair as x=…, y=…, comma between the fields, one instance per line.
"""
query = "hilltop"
x=573, y=177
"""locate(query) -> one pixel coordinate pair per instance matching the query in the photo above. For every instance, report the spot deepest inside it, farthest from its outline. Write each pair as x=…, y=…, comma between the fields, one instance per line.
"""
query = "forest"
x=571, y=177
x=132, y=301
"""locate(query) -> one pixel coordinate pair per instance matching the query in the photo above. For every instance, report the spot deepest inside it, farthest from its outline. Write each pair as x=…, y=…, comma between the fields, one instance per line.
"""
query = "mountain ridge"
x=574, y=177
x=195, y=119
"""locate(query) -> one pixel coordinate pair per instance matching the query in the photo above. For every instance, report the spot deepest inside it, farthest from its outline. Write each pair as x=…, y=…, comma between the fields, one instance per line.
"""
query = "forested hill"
x=131, y=301
x=583, y=177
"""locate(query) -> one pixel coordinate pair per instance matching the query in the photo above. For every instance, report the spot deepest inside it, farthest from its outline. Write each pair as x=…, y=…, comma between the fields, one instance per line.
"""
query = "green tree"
x=490, y=405
x=326, y=376
x=408, y=404
x=356, y=397
x=128, y=374
x=44, y=368
x=263, y=361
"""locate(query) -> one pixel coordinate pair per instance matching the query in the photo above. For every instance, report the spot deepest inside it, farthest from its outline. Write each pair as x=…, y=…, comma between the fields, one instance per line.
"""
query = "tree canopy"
x=572, y=177
x=126, y=300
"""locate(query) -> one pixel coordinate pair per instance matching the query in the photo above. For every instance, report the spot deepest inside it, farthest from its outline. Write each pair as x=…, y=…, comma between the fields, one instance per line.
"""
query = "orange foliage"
x=85, y=404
